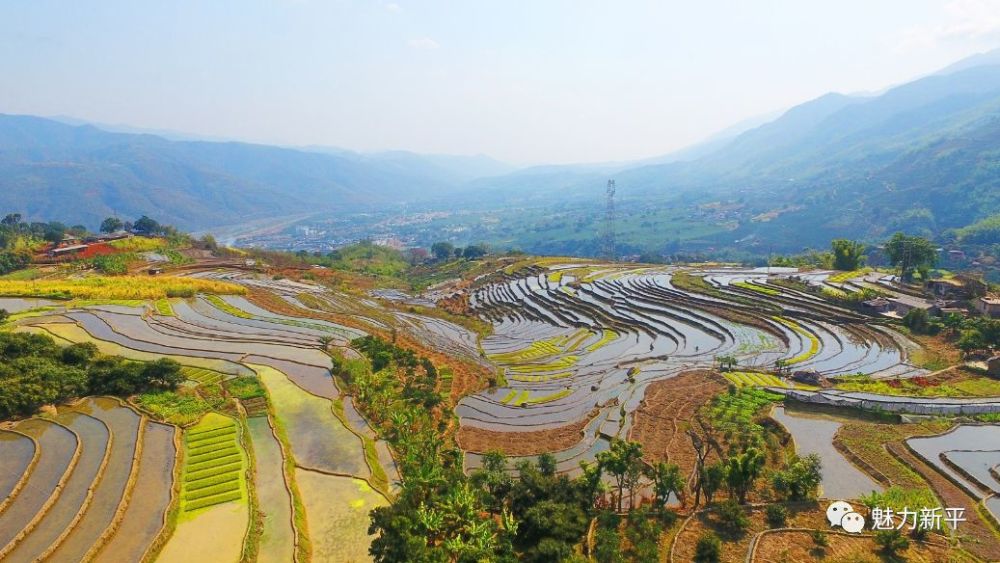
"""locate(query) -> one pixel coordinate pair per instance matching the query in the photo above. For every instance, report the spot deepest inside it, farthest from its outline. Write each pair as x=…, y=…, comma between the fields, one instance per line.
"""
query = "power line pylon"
x=609, y=223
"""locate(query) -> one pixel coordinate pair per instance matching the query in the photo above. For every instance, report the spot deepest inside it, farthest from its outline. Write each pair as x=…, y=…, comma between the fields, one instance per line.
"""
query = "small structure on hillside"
x=903, y=304
x=952, y=288
x=809, y=377
x=877, y=306
x=989, y=305
x=993, y=366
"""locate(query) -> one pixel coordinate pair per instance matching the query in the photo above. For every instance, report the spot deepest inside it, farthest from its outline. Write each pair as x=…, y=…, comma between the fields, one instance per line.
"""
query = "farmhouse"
x=948, y=289
x=903, y=304
x=877, y=305
x=989, y=305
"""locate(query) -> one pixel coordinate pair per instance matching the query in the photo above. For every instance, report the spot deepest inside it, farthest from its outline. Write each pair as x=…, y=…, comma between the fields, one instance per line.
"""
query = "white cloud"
x=394, y=7
x=423, y=43
x=964, y=21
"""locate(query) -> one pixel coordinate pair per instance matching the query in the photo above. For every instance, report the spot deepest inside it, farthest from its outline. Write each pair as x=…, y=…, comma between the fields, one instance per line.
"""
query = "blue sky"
x=526, y=82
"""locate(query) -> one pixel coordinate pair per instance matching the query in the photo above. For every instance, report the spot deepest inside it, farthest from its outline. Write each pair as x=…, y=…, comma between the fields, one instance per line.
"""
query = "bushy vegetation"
x=35, y=371
x=113, y=288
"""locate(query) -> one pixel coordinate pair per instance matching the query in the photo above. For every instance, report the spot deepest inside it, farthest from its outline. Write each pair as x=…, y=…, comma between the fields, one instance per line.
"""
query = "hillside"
x=82, y=173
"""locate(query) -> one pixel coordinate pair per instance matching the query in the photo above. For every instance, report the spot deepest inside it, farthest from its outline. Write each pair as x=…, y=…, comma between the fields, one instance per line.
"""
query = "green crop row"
x=214, y=454
x=232, y=475
x=214, y=433
x=206, y=473
x=219, y=461
x=213, y=490
x=212, y=501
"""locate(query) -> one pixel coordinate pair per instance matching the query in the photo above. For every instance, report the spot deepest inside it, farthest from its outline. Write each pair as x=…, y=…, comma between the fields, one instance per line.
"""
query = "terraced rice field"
x=214, y=513
x=567, y=344
x=337, y=509
x=277, y=542
x=91, y=483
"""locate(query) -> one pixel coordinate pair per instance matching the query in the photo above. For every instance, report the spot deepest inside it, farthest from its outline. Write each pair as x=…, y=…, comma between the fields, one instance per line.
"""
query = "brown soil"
x=523, y=443
x=735, y=546
x=666, y=413
x=799, y=546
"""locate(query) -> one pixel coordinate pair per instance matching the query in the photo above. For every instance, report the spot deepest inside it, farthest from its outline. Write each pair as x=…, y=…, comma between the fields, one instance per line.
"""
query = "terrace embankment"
x=481, y=440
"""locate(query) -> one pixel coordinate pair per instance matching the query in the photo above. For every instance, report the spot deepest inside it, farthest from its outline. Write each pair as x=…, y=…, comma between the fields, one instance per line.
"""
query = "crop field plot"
x=213, y=509
x=337, y=511
x=563, y=353
x=214, y=464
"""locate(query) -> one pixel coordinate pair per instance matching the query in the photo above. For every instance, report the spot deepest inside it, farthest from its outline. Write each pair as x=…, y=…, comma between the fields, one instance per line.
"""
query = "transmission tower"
x=609, y=222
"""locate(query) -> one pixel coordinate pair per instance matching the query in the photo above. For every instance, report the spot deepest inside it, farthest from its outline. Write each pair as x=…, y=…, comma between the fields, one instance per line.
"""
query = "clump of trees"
x=911, y=254
x=35, y=371
x=848, y=255
x=446, y=251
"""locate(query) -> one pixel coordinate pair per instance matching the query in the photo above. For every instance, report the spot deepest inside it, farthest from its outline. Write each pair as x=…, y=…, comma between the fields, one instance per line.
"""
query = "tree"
x=667, y=480
x=474, y=251
x=4, y=315
x=708, y=549
x=800, y=479
x=742, y=471
x=442, y=250
x=732, y=516
x=848, y=255
x=11, y=220
x=146, y=226
x=54, y=232
x=911, y=253
x=622, y=461
x=493, y=479
x=918, y=321
x=111, y=224
x=712, y=478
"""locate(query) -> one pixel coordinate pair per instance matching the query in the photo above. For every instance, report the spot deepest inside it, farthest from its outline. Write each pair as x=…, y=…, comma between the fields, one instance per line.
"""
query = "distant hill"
x=82, y=173
x=922, y=157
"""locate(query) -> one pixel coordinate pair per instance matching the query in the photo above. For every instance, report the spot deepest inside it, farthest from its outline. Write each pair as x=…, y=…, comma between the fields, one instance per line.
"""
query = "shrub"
x=776, y=515
x=819, y=538
x=891, y=542
x=708, y=549
x=732, y=516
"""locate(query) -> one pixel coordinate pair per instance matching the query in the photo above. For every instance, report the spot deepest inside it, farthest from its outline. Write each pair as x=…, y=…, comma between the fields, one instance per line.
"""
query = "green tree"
x=621, y=462
x=848, y=255
x=911, y=253
x=111, y=224
x=667, y=480
x=800, y=479
x=442, y=250
x=474, y=251
x=11, y=220
x=493, y=479
x=742, y=471
x=712, y=478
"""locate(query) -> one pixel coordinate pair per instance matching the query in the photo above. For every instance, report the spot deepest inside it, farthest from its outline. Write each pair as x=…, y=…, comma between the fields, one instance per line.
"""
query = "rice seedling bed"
x=225, y=466
x=202, y=375
x=745, y=379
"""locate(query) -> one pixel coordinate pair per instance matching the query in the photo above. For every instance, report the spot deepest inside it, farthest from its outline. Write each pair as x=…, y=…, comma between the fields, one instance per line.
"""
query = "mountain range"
x=922, y=156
